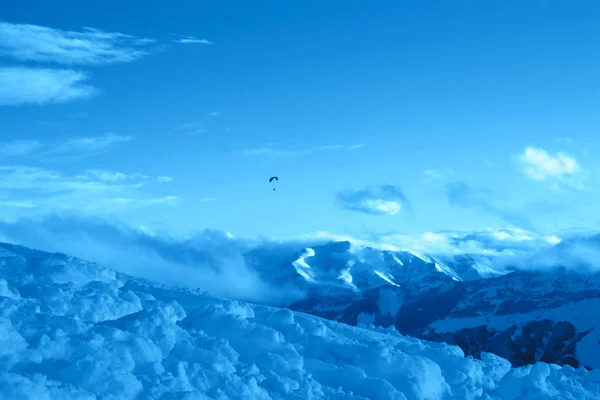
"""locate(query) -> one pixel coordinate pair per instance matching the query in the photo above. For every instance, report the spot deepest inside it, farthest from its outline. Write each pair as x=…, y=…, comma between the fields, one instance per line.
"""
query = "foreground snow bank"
x=73, y=330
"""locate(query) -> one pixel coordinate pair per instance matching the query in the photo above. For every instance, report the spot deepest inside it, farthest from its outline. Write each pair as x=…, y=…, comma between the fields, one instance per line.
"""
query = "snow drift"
x=72, y=329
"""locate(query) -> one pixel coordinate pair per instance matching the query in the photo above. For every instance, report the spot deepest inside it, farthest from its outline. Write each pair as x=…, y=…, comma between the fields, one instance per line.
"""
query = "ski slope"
x=71, y=329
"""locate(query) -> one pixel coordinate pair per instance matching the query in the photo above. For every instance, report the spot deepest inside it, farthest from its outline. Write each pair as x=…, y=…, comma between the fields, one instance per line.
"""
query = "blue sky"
x=377, y=116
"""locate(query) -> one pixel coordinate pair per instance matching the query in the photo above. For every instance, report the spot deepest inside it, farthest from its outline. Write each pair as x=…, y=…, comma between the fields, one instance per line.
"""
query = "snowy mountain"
x=343, y=265
x=71, y=329
x=471, y=300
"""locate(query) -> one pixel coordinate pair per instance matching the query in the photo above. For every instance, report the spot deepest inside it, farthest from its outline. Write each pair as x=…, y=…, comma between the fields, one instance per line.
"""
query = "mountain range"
x=522, y=307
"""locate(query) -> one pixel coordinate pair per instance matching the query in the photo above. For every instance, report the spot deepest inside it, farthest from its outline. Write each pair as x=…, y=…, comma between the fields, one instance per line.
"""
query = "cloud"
x=271, y=152
x=380, y=200
x=215, y=113
x=494, y=251
x=111, y=176
x=436, y=174
x=91, y=191
x=432, y=174
x=197, y=132
x=16, y=204
x=540, y=165
x=162, y=200
x=207, y=259
x=90, y=144
x=18, y=148
x=193, y=40
x=192, y=128
x=356, y=146
x=490, y=242
x=164, y=179
x=25, y=85
x=25, y=42
x=72, y=147
x=463, y=195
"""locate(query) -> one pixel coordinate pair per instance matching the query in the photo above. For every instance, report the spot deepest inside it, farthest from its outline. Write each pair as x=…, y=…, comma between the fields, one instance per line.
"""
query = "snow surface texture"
x=70, y=329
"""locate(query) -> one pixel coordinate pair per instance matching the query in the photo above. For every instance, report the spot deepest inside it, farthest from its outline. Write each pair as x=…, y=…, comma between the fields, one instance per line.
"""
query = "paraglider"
x=273, y=178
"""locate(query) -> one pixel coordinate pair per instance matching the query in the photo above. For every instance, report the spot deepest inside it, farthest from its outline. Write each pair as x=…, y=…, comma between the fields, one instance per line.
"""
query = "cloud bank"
x=210, y=260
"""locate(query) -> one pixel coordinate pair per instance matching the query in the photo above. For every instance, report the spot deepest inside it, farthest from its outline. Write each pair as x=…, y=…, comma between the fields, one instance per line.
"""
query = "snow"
x=75, y=330
x=578, y=314
x=346, y=277
x=302, y=266
x=386, y=277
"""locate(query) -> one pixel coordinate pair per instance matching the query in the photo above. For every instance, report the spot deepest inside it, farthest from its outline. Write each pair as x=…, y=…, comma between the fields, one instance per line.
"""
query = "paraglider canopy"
x=273, y=178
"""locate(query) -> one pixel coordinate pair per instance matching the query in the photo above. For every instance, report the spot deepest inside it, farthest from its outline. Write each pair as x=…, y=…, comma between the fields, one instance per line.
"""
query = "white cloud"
x=41, y=180
x=197, y=132
x=162, y=200
x=540, y=165
x=25, y=42
x=356, y=146
x=215, y=113
x=190, y=125
x=265, y=151
x=16, y=204
x=192, y=128
x=81, y=146
x=17, y=148
x=331, y=147
x=379, y=200
x=269, y=151
x=91, y=143
x=25, y=85
x=110, y=176
x=431, y=174
x=383, y=206
x=164, y=179
x=41, y=190
x=193, y=40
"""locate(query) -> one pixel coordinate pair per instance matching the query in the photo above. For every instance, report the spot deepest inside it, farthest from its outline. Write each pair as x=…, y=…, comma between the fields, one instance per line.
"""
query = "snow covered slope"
x=471, y=300
x=70, y=329
x=522, y=316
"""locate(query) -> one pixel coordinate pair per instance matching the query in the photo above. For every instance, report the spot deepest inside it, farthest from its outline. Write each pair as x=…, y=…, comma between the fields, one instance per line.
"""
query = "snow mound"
x=74, y=330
